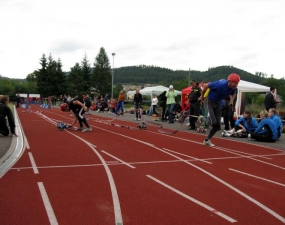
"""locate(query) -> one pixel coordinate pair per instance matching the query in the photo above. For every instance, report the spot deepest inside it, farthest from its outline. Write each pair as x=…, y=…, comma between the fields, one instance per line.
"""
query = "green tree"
x=117, y=90
x=42, y=78
x=101, y=76
x=59, y=80
x=86, y=73
x=75, y=81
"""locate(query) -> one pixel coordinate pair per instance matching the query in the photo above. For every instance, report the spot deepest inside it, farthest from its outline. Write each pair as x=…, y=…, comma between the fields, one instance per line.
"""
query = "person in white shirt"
x=154, y=102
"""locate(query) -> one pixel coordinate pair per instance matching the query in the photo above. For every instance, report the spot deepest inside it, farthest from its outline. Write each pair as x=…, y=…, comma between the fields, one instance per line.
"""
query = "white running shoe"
x=87, y=129
x=208, y=143
x=139, y=119
x=78, y=128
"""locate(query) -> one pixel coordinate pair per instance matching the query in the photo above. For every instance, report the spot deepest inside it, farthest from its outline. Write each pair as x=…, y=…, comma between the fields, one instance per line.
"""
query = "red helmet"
x=233, y=77
x=63, y=107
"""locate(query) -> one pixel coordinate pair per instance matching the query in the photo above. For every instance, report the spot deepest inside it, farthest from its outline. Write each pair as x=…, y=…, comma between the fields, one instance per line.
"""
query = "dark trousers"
x=163, y=106
x=214, y=119
x=81, y=119
x=4, y=129
x=195, y=111
x=262, y=137
x=228, y=115
x=137, y=109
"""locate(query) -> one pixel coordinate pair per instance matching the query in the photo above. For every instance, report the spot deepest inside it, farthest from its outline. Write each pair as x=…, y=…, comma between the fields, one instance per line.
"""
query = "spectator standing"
x=163, y=99
x=218, y=91
x=154, y=102
x=270, y=99
x=18, y=100
x=228, y=113
x=120, y=102
x=5, y=111
x=106, y=98
x=170, y=102
x=194, y=104
x=137, y=104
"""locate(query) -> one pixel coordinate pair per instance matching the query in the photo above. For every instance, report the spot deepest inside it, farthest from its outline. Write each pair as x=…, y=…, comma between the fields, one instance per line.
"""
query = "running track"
x=115, y=175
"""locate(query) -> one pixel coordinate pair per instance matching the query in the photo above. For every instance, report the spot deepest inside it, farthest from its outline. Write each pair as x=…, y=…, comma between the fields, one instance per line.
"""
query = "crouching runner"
x=78, y=106
x=266, y=131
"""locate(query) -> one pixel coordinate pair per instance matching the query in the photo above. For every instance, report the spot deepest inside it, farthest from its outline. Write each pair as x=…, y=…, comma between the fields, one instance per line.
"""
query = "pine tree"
x=41, y=77
x=86, y=73
x=102, y=76
x=60, y=83
x=75, y=81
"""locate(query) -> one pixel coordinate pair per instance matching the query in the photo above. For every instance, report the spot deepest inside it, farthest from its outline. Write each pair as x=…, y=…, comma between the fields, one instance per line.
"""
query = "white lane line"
x=261, y=178
x=204, y=171
x=246, y=153
x=127, y=164
x=36, y=171
x=49, y=210
x=115, y=197
x=191, y=157
x=259, y=204
x=250, y=157
x=116, y=202
x=193, y=200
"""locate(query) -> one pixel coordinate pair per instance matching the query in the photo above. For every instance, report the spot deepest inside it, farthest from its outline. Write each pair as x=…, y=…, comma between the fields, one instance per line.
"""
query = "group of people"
x=167, y=102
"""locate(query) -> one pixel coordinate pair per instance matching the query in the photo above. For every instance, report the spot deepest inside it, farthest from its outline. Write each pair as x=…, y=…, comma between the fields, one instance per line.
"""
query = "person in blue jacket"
x=245, y=124
x=272, y=114
x=266, y=130
x=218, y=91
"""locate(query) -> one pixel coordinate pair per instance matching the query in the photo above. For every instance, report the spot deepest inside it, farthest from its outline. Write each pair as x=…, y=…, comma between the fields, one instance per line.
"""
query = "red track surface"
x=130, y=176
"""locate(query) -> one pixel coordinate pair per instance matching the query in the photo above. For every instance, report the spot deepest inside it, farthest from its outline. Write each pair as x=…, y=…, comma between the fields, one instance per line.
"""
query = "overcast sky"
x=175, y=34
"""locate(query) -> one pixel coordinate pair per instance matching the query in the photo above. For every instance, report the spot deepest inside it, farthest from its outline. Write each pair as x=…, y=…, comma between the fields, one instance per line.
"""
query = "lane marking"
x=261, y=178
x=265, y=208
x=49, y=210
x=270, y=164
x=193, y=200
x=36, y=171
x=178, y=153
x=136, y=163
x=246, y=153
x=115, y=197
x=127, y=164
x=202, y=170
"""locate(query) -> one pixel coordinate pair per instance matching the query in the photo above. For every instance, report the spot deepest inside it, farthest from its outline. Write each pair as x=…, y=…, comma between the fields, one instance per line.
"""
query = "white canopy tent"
x=245, y=86
x=157, y=90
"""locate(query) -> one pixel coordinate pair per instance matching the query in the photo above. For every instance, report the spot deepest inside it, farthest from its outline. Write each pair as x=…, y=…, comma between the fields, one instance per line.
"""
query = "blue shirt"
x=267, y=123
x=249, y=127
x=219, y=90
x=278, y=123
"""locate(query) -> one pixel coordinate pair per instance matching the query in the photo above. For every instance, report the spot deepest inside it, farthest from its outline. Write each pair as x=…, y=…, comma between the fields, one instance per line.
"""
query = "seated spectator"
x=243, y=125
x=272, y=114
x=266, y=130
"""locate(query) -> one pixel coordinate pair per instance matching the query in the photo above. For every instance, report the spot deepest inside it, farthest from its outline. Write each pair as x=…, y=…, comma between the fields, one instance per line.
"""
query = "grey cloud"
x=65, y=46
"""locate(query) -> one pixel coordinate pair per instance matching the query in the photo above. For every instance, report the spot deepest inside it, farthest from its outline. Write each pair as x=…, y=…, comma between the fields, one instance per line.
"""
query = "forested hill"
x=138, y=75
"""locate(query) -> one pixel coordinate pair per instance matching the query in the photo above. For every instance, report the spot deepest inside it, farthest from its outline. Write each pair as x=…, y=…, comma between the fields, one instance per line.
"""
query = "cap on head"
x=171, y=86
x=233, y=77
x=63, y=107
